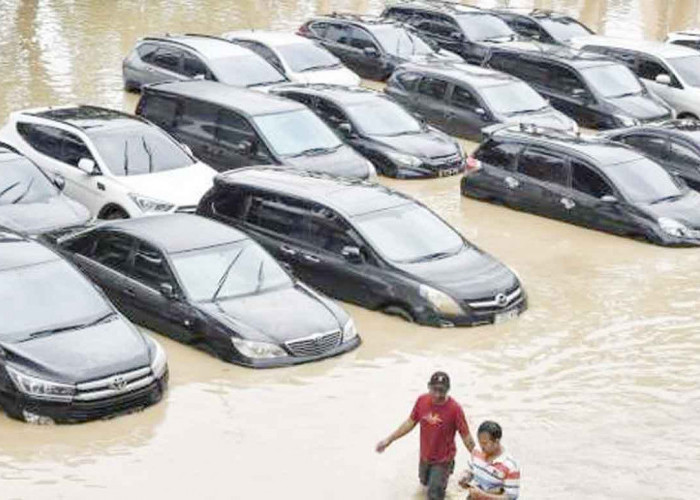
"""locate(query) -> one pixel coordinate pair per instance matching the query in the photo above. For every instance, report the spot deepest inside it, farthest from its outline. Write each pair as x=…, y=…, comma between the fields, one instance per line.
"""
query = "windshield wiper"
x=435, y=255
x=319, y=66
x=126, y=157
x=148, y=152
x=266, y=83
x=21, y=197
x=80, y=326
x=224, y=276
x=316, y=151
x=626, y=94
x=9, y=188
x=671, y=197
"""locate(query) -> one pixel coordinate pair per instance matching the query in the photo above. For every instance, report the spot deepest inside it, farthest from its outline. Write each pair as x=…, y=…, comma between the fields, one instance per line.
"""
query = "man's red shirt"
x=438, y=425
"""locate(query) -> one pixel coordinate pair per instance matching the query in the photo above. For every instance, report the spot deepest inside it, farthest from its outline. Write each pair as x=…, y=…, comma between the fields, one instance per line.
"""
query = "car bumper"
x=297, y=360
x=430, y=317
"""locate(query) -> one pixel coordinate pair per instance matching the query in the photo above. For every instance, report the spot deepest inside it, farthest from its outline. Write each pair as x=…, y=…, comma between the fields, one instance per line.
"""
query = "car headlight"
x=404, y=159
x=627, y=121
x=40, y=388
x=159, y=361
x=258, y=350
x=673, y=227
x=440, y=300
x=371, y=171
x=574, y=127
x=349, y=330
x=150, y=205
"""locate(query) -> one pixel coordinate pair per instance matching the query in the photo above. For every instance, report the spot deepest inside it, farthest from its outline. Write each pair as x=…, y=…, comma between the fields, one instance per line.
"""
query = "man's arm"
x=403, y=429
x=468, y=440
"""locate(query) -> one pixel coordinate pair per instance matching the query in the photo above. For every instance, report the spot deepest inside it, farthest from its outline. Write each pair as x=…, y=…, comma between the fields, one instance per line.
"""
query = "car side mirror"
x=88, y=166
x=199, y=76
x=608, y=198
x=352, y=254
x=663, y=79
x=245, y=148
x=59, y=181
x=167, y=291
x=371, y=52
x=345, y=129
x=456, y=36
x=480, y=111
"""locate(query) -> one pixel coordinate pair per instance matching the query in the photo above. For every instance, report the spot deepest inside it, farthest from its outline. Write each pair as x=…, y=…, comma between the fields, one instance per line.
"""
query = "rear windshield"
x=307, y=57
x=485, y=28
x=247, y=70
x=22, y=182
x=563, y=28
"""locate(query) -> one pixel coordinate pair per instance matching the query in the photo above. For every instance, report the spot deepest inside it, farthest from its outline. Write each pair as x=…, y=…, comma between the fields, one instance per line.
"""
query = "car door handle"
x=287, y=251
x=311, y=258
x=568, y=203
x=512, y=182
x=129, y=292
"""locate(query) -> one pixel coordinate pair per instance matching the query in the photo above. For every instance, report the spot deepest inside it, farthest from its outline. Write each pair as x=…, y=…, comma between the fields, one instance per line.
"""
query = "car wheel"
x=130, y=86
x=400, y=312
x=687, y=116
x=113, y=213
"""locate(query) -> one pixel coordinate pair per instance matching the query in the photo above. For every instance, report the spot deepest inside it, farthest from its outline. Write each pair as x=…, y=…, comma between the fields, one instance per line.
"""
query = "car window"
x=440, y=28
x=683, y=155
x=687, y=68
x=649, y=144
x=46, y=140
x=642, y=180
x=527, y=27
x=628, y=57
x=566, y=81
x=462, y=98
x=328, y=231
x=245, y=70
x=564, y=28
x=382, y=116
x=198, y=118
x=533, y=72
x=113, y=250
x=167, y=58
x=231, y=202
x=399, y=42
x=500, y=155
x=408, y=80
x=649, y=68
x=484, y=27
x=586, y=180
x=432, y=87
x=150, y=267
x=338, y=33
x=513, y=98
x=330, y=112
x=74, y=149
x=194, y=66
x=146, y=51
x=281, y=215
x=319, y=29
x=362, y=40
x=543, y=166
x=267, y=54
x=160, y=110
x=233, y=128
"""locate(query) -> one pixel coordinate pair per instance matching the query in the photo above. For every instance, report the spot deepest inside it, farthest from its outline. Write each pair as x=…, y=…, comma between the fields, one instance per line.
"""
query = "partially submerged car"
x=363, y=243
x=66, y=355
x=211, y=286
x=590, y=182
x=32, y=202
x=397, y=143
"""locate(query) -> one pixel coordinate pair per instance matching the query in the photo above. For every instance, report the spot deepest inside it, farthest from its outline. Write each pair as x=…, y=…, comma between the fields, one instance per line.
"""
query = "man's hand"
x=383, y=445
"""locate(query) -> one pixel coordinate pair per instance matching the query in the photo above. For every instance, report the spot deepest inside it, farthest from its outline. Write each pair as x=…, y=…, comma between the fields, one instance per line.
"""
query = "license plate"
x=447, y=172
x=505, y=316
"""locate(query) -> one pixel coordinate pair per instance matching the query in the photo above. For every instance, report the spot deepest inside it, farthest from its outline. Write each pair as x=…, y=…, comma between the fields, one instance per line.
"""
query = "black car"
x=461, y=99
x=463, y=29
x=371, y=47
x=674, y=144
x=30, y=201
x=208, y=285
x=229, y=128
x=591, y=182
x=543, y=25
x=66, y=355
x=596, y=91
x=363, y=243
x=397, y=143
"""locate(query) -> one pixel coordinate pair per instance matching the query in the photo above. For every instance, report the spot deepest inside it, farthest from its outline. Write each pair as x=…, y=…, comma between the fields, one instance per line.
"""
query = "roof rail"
x=364, y=18
x=169, y=37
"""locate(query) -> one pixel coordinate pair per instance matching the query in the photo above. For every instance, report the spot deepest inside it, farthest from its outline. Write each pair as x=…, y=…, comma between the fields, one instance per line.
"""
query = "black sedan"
x=380, y=129
x=66, y=355
x=205, y=284
x=590, y=182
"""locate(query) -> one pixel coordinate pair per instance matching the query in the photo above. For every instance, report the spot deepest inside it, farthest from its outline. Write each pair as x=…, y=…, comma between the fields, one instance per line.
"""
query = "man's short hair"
x=491, y=428
x=440, y=379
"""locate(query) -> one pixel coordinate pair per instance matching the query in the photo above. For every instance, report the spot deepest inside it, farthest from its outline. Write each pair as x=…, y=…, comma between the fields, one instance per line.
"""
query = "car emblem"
x=118, y=384
x=501, y=299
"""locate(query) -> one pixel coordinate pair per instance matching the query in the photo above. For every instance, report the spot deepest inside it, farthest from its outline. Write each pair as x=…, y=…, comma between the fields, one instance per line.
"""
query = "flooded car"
x=369, y=245
x=543, y=25
x=208, y=285
x=462, y=99
x=590, y=182
x=66, y=354
x=396, y=142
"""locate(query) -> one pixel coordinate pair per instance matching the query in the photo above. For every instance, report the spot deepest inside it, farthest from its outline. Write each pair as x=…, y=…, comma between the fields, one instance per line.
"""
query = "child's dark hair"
x=491, y=428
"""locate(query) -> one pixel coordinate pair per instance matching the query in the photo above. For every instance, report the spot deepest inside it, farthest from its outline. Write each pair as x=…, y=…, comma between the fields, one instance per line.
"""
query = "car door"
x=368, y=57
x=164, y=64
x=570, y=94
x=430, y=101
x=465, y=115
x=336, y=38
x=653, y=145
x=542, y=180
x=237, y=142
x=195, y=126
x=499, y=161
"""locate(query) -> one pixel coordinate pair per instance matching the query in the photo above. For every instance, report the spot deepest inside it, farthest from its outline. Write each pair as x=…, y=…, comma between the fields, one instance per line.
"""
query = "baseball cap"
x=440, y=378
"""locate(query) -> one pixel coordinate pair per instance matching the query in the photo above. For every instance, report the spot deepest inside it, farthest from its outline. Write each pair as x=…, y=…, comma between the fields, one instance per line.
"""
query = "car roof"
x=680, y=127
x=88, y=117
x=366, y=21
x=17, y=251
x=473, y=75
x=248, y=101
x=659, y=49
x=271, y=38
x=348, y=196
x=558, y=53
x=174, y=233
x=211, y=47
x=341, y=94
x=445, y=6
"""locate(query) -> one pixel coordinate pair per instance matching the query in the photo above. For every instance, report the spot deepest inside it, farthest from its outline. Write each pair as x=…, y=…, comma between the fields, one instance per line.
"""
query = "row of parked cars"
x=254, y=155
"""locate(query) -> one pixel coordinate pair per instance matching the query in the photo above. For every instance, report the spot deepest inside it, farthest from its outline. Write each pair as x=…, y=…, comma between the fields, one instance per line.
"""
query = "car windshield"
x=307, y=57
x=230, y=270
x=613, y=80
x=643, y=181
x=297, y=132
x=563, y=28
x=245, y=71
x=383, y=117
x=409, y=233
x=138, y=150
x=513, y=98
x=45, y=297
x=22, y=182
x=399, y=42
x=688, y=68
x=484, y=27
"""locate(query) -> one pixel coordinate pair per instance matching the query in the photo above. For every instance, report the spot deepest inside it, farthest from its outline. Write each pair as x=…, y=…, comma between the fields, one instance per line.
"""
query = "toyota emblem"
x=118, y=384
x=501, y=299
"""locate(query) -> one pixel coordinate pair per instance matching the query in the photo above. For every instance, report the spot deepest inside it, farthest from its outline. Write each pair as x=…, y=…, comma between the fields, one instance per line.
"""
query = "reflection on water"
x=596, y=383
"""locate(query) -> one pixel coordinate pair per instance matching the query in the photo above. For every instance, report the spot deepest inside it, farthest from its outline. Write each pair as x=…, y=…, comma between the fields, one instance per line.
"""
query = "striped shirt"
x=501, y=474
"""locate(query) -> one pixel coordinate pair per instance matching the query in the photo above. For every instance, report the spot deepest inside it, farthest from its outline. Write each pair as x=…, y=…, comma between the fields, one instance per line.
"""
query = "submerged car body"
x=66, y=355
x=211, y=286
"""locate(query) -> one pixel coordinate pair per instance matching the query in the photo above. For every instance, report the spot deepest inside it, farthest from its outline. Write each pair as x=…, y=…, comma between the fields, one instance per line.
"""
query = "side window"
x=83, y=245
x=656, y=147
x=586, y=180
x=649, y=69
x=74, y=150
x=432, y=87
x=150, y=267
x=233, y=128
x=146, y=51
x=338, y=33
x=566, y=81
x=167, y=58
x=231, y=202
x=626, y=57
x=304, y=99
x=408, y=80
x=319, y=29
x=281, y=215
x=529, y=28
x=44, y=139
x=194, y=66
x=267, y=54
x=684, y=156
x=113, y=250
x=499, y=155
x=198, y=118
x=330, y=112
x=543, y=166
x=362, y=40
x=531, y=71
x=329, y=231
x=462, y=98
x=160, y=110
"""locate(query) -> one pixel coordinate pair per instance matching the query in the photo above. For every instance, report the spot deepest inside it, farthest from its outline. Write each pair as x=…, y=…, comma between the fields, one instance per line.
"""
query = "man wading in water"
x=440, y=418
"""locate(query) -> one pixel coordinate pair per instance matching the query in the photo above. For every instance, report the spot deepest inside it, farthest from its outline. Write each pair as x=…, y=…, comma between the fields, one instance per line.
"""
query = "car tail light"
x=304, y=30
x=471, y=165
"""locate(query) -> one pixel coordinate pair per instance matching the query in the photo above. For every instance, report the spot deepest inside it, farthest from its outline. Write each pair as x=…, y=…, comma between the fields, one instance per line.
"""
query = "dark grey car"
x=462, y=99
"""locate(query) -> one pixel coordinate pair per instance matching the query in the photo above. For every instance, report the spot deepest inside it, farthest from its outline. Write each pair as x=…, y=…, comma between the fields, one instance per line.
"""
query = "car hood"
x=685, y=210
x=77, y=356
x=336, y=76
x=181, y=186
x=344, y=162
x=470, y=274
x=550, y=118
x=641, y=107
x=276, y=316
x=423, y=145
x=54, y=213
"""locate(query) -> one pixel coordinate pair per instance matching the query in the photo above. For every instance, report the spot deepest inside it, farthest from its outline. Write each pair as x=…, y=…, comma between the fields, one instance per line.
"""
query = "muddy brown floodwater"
x=596, y=385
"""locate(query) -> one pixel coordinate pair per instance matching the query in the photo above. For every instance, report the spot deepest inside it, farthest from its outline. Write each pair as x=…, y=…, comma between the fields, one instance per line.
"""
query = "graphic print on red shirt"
x=438, y=426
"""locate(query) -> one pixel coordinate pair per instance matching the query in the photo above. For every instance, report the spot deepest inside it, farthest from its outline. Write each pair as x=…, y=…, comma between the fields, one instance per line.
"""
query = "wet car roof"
x=473, y=75
x=338, y=93
x=248, y=101
x=666, y=50
x=271, y=38
x=87, y=117
x=349, y=196
x=175, y=233
x=573, y=57
x=16, y=251
x=210, y=47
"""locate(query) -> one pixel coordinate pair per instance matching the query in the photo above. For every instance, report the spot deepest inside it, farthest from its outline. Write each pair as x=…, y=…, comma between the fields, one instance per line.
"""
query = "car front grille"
x=114, y=385
x=446, y=165
x=496, y=303
x=315, y=345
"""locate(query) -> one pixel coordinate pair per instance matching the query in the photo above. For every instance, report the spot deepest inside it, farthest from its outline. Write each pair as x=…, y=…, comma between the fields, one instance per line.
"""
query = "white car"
x=301, y=60
x=670, y=71
x=117, y=165
x=688, y=38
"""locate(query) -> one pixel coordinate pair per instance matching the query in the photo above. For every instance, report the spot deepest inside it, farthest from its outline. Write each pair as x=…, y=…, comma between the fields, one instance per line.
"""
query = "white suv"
x=117, y=165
